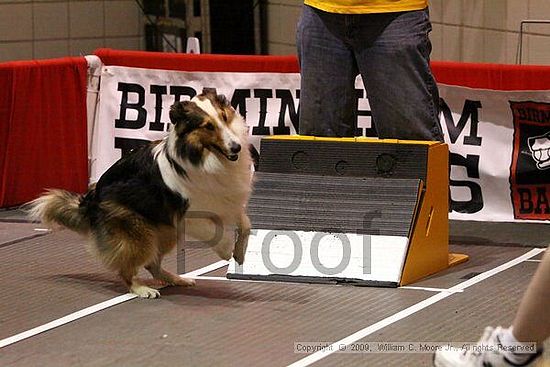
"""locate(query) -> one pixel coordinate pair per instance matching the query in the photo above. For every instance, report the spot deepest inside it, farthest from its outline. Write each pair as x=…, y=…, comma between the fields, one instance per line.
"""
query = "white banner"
x=134, y=105
x=499, y=144
x=499, y=141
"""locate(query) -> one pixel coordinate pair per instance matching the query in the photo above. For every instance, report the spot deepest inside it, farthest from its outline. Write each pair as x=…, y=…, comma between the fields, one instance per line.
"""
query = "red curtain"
x=43, y=141
x=492, y=76
x=198, y=62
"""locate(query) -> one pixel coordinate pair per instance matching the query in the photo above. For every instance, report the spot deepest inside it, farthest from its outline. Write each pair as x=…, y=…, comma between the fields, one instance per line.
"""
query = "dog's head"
x=207, y=124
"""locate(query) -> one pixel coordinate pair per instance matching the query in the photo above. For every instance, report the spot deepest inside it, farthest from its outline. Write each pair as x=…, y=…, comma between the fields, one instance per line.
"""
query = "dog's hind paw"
x=185, y=282
x=143, y=291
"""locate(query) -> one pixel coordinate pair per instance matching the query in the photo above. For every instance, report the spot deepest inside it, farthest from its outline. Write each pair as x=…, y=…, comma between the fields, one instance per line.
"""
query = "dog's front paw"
x=240, y=249
x=239, y=257
x=143, y=291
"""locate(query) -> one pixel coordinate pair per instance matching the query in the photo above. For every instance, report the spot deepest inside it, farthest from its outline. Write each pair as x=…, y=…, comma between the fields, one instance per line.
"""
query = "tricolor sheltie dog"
x=194, y=183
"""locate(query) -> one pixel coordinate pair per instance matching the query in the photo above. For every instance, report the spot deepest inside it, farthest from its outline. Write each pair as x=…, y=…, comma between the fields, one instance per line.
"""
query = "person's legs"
x=531, y=324
x=532, y=321
x=328, y=71
x=395, y=68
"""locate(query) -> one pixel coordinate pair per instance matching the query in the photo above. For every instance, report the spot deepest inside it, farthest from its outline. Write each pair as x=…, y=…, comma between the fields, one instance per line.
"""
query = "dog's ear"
x=210, y=93
x=186, y=115
x=217, y=99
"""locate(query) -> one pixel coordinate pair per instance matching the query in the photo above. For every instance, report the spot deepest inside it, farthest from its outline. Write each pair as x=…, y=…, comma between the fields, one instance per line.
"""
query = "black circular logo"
x=385, y=164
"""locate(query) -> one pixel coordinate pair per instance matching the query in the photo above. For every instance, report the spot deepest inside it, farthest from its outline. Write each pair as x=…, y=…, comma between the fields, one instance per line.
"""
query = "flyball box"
x=355, y=210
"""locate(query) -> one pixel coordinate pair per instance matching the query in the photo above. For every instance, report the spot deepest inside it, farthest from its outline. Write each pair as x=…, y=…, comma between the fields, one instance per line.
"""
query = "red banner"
x=43, y=130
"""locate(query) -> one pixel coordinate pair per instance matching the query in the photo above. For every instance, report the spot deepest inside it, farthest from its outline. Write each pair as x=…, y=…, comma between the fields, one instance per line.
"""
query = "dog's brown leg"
x=165, y=276
x=166, y=240
x=243, y=232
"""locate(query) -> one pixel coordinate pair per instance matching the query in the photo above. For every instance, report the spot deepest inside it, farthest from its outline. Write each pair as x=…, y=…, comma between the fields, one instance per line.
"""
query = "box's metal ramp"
x=338, y=204
x=380, y=205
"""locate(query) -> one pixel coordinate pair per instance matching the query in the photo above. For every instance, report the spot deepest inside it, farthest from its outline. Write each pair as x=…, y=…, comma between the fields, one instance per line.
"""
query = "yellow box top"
x=360, y=139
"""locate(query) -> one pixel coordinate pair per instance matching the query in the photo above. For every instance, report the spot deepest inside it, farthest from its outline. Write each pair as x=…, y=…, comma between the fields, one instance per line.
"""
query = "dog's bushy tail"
x=59, y=208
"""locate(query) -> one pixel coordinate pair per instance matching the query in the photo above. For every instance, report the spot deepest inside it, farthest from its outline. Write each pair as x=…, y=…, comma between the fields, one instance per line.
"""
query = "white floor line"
x=430, y=289
x=93, y=309
x=314, y=357
x=533, y=261
x=206, y=269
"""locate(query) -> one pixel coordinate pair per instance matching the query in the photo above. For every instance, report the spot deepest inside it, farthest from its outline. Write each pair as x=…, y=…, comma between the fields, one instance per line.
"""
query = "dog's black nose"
x=235, y=148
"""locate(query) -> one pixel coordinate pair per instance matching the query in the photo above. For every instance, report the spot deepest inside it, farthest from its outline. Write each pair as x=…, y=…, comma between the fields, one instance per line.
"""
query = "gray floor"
x=46, y=276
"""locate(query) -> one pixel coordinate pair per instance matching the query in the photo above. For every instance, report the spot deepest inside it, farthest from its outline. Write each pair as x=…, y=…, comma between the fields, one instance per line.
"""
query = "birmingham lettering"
x=470, y=113
x=135, y=100
x=241, y=97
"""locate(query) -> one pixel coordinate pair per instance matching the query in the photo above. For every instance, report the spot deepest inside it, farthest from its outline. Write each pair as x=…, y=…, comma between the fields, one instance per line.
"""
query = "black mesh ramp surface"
x=361, y=205
x=333, y=158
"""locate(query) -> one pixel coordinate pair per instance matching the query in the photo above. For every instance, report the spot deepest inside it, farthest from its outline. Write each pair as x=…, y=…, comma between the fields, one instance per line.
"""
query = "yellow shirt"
x=366, y=6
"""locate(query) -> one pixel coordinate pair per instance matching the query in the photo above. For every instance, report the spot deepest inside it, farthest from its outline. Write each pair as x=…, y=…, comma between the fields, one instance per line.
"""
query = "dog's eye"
x=209, y=126
x=224, y=116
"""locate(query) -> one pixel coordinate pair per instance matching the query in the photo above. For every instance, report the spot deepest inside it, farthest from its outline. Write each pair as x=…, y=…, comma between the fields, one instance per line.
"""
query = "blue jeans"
x=392, y=53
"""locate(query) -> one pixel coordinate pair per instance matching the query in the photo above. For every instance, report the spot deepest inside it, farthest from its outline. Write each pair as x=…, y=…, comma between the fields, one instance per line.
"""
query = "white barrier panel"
x=343, y=256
